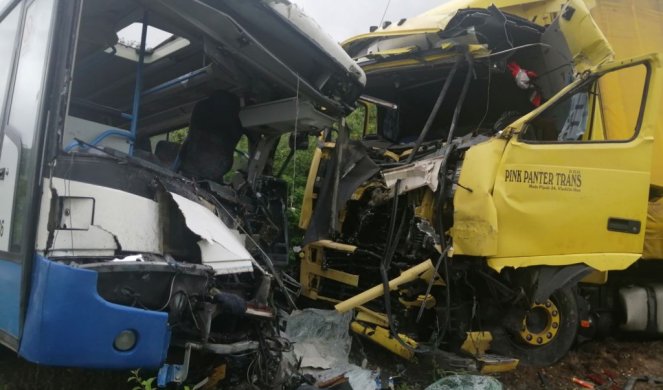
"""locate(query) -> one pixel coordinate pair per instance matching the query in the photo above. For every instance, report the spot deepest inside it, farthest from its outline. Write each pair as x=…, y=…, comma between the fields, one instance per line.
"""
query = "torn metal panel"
x=587, y=44
x=355, y=169
x=104, y=220
x=220, y=248
x=253, y=34
x=475, y=226
x=422, y=173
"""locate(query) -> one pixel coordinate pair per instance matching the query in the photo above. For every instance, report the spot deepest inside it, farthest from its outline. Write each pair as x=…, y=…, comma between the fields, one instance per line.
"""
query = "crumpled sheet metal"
x=416, y=175
x=321, y=337
x=358, y=378
x=466, y=382
x=220, y=247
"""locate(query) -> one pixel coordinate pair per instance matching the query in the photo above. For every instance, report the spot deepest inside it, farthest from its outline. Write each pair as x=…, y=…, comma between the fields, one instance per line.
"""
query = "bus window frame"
x=9, y=255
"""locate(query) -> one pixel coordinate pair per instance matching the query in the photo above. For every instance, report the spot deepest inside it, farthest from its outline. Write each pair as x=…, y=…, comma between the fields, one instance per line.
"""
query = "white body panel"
x=220, y=247
x=9, y=157
x=118, y=218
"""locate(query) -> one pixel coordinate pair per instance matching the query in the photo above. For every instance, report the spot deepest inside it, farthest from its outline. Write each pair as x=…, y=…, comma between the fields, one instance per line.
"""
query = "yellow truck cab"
x=500, y=167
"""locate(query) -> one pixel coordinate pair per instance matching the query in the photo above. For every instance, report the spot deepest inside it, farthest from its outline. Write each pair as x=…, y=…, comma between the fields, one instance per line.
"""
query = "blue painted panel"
x=69, y=324
x=10, y=297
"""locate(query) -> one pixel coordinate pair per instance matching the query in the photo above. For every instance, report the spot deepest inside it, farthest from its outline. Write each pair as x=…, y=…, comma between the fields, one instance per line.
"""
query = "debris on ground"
x=322, y=343
x=320, y=337
x=466, y=382
x=606, y=364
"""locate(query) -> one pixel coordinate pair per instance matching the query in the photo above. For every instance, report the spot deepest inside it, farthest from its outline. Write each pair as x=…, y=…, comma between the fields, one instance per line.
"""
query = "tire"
x=545, y=355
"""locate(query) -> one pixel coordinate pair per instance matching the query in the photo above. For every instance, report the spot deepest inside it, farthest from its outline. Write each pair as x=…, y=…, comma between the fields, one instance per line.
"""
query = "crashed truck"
x=490, y=194
x=120, y=248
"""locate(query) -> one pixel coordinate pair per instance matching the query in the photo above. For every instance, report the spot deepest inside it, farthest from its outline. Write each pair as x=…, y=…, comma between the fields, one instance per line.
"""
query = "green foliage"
x=296, y=175
x=141, y=384
x=145, y=384
x=178, y=136
x=356, y=120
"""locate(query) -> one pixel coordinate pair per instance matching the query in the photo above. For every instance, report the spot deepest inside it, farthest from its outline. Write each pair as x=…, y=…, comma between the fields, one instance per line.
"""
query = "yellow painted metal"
x=554, y=199
x=633, y=27
x=653, y=248
x=391, y=155
x=425, y=208
x=475, y=227
x=436, y=19
x=429, y=300
x=334, y=245
x=371, y=317
x=449, y=55
x=404, y=62
x=549, y=331
x=491, y=364
x=307, y=203
x=588, y=46
x=377, y=291
x=371, y=184
x=380, y=335
x=596, y=277
x=364, y=314
x=311, y=271
x=598, y=261
x=477, y=343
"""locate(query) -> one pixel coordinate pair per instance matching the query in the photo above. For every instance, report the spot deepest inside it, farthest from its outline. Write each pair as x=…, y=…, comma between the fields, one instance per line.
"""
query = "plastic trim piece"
x=68, y=324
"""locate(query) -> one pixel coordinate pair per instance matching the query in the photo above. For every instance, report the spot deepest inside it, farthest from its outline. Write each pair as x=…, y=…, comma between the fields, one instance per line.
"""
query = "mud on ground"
x=609, y=360
x=609, y=363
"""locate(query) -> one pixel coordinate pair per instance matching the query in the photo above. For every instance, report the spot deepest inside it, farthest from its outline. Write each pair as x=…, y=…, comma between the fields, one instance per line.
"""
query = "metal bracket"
x=175, y=373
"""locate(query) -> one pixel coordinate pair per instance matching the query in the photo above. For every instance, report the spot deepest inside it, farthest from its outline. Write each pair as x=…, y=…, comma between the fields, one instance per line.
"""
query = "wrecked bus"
x=117, y=244
x=497, y=174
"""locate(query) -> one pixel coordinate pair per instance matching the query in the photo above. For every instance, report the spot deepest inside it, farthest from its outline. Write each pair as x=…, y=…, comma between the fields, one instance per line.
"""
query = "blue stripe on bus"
x=10, y=298
x=69, y=324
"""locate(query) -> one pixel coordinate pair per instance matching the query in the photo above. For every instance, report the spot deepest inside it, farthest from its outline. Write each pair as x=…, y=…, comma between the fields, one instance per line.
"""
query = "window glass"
x=355, y=122
x=621, y=101
x=30, y=72
x=8, y=29
x=603, y=109
x=25, y=108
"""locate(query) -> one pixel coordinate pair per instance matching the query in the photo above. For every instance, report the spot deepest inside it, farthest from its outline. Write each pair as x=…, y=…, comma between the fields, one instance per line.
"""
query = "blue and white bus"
x=116, y=243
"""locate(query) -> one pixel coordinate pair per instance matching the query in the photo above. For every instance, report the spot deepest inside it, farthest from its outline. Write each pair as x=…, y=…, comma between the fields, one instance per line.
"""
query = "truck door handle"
x=621, y=225
x=3, y=172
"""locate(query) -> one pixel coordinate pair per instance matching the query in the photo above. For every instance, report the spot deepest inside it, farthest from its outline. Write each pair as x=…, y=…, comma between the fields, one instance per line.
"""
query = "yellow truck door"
x=569, y=187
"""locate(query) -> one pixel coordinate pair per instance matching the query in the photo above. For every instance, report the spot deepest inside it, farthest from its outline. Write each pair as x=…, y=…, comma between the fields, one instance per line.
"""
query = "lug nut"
x=549, y=335
x=529, y=337
x=539, y=340
x=548, y=304
x=555, y=313
x=555, y=325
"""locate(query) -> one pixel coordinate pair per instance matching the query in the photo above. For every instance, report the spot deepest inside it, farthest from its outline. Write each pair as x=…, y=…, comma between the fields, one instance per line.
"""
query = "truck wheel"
x=547, y=332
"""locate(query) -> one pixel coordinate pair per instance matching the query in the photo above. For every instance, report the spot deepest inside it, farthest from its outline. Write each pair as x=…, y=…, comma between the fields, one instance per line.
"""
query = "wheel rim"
x=541, y=324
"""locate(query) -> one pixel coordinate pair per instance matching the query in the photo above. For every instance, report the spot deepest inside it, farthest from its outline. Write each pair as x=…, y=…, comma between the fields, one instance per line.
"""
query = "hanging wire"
x=485, y=114
x=384, y=14
x=294, y=146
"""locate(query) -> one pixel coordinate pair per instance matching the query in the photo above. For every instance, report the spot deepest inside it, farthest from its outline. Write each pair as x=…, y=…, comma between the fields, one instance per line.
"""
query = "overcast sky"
x=345, y=18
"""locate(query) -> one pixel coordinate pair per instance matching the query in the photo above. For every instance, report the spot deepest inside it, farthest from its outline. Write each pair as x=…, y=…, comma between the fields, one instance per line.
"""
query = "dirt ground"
x=606, y=364
x=611, y=362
